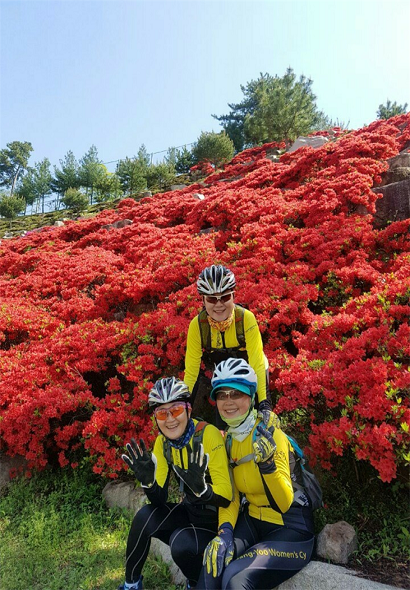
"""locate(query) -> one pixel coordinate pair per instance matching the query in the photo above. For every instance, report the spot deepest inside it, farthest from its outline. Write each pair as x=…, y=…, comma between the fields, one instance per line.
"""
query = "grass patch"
x=57, y=534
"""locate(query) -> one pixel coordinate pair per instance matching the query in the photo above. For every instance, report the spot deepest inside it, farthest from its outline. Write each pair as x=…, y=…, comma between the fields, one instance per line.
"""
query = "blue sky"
x=118, y=74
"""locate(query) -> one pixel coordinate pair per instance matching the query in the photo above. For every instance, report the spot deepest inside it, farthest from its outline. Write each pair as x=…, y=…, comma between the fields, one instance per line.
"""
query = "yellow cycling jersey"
x=254, y=349
x=248, y=481
x=218, y=461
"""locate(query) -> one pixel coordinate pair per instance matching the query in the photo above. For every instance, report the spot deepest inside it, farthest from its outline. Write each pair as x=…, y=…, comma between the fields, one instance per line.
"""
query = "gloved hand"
x=219, y=552
x=194, y=475
x=264, y=412
x=264, y=448
x=142, y=462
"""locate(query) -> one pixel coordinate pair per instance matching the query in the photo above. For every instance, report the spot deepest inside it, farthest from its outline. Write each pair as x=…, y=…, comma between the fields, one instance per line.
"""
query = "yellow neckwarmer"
x=221, y=326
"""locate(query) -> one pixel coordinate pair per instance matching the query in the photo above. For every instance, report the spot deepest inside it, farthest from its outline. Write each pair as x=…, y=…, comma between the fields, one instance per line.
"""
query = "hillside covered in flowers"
x=91, y=316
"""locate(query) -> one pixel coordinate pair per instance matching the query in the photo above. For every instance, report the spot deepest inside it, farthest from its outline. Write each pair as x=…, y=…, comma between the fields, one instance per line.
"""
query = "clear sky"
x=118, y=74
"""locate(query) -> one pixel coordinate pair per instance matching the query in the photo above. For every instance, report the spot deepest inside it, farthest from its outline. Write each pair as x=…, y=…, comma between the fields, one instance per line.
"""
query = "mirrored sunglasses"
x=223, y=394
x=215, y=298
x=175, y=411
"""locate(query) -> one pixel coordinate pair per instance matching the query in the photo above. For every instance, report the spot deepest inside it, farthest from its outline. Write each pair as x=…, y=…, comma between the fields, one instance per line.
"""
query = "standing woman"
x=269, y=536
x=195, y=452
x=223, y=330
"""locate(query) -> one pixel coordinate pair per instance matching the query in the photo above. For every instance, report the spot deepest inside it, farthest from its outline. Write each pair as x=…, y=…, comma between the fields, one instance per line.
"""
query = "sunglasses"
x=230, y=393
x=175, y=411
x=215, y=298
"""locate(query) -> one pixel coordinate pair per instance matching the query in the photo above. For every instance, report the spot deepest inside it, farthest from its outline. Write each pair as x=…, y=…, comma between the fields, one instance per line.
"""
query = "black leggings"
x=266, y=555
x=172, y=524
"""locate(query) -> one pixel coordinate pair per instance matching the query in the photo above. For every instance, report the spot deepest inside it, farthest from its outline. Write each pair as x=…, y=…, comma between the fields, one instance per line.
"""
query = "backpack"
x=308, y=483
x=205, y=329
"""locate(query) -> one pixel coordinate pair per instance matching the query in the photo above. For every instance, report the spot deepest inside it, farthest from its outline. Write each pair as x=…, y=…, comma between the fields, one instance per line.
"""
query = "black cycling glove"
x=142, y=462
x=194, y=475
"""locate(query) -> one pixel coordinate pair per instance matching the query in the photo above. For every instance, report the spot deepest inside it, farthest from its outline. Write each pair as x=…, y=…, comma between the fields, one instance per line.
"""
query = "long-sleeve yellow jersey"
x=251, y=483
x=254, y=349
x=218, y=469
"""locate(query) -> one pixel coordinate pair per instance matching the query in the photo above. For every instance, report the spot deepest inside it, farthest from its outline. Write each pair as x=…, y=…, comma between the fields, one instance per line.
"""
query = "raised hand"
x=142, y=462
x=219, y=552
x=194, y=475
x=264, y=448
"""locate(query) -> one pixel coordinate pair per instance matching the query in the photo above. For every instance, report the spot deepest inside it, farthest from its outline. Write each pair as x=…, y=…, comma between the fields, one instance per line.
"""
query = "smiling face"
x=232, y=403
x=218, y=309
x=175, y=423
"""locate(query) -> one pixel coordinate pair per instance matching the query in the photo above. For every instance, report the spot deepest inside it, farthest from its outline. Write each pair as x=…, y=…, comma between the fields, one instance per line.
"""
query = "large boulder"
x=337, y=542
x=394, y=204
x=314, y=142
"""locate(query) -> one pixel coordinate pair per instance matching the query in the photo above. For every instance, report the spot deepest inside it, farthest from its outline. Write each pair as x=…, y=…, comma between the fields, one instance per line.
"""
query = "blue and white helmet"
x=215, y=279
x=168, y=389
x=234, y=373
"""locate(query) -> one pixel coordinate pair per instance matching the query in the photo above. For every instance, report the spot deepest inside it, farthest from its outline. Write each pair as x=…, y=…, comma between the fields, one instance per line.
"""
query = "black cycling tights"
x=171, y=523
x=268, y=554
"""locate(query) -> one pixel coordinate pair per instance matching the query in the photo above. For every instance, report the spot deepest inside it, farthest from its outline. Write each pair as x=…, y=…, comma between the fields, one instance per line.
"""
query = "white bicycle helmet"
x=168, y=389
x=235, y=373
x=215, y=279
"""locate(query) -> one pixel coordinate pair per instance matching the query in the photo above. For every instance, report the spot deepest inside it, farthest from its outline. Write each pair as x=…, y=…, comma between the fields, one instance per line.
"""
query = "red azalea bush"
x=91, y=316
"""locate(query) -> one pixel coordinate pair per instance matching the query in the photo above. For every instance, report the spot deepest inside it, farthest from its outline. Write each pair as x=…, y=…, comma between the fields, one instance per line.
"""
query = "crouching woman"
x=268, y=536
x=195, y=452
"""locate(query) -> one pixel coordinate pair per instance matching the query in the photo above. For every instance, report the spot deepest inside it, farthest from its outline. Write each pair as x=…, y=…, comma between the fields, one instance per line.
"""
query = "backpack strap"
x=205, y=329
x=197, y=436
x=239, y=325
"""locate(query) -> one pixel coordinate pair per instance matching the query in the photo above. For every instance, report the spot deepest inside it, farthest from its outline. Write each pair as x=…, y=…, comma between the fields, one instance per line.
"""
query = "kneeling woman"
x=269, y=536
x=196, y=453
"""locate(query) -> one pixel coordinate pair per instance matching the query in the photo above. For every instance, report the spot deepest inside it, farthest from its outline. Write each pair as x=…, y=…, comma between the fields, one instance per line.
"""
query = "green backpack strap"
x=239, y=325
x=205, y=329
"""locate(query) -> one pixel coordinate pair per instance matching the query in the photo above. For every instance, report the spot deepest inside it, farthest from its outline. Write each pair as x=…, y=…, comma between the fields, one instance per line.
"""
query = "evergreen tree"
x=216, y=148
x=391, y=110
x=91, y=171
x=11, y=205
x=42, y=180
x=160, y=177
x=131, y=173
x=67, y=176
x=13, y=162
x=108, y=188
x=274, y=109
x=75, y=200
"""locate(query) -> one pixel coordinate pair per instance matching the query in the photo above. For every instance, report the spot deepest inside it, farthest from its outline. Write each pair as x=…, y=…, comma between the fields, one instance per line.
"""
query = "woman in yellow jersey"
x=266, y=534
x=195, y=452
x=222, y=330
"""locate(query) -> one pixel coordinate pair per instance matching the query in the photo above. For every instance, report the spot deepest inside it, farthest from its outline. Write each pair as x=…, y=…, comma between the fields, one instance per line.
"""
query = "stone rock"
x=273, y=158
x=402, y=160
x=394, y=204
x=337, y=542
x=146, y=194
x=123, y=494
x=198, y=196
x=8, y=235
x=117, y=224
x=314, y=142
x=7, y=464
x=325, y=576
x=395, y=175
x=177, y=187
x=59, y=223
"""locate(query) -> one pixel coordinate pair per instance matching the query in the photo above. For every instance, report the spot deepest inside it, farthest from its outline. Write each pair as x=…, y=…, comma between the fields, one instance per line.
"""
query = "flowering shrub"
x=91, y=316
